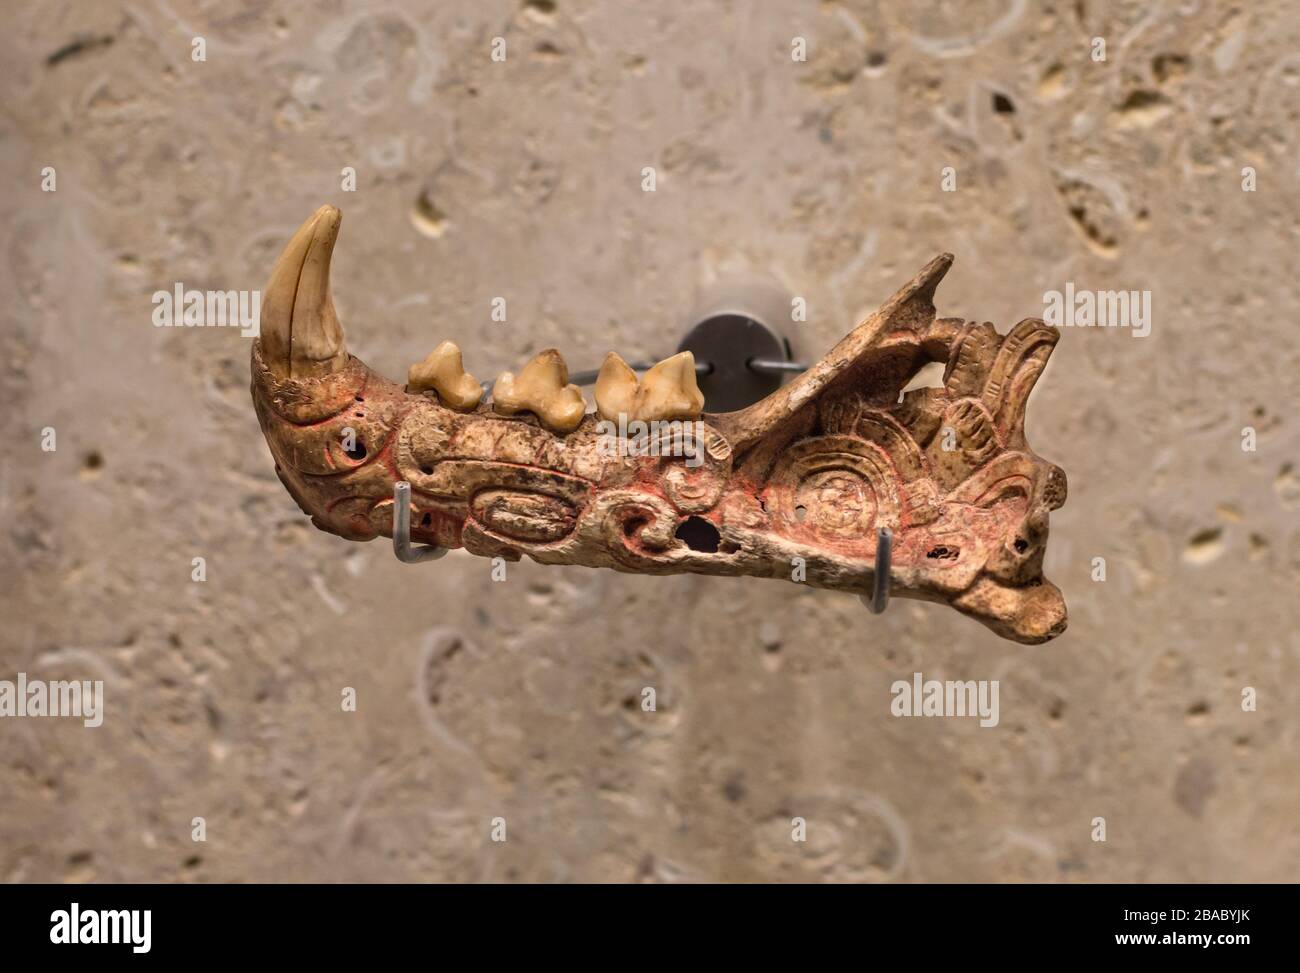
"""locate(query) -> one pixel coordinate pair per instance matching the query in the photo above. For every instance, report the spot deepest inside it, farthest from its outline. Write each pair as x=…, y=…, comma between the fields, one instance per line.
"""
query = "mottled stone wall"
x=522, y=178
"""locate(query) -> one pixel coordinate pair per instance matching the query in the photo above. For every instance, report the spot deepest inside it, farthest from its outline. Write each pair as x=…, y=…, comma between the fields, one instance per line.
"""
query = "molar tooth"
x=542, y=388
x=444, y=372
x=669, y=390
x=616, y=388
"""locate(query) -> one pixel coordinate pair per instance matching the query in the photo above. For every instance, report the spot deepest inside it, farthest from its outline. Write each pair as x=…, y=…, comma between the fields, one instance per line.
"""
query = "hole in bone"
x=943, y=553
x=358, y=451
x=1021, y=545
x=930, y=376
x=699, y=535
x=426, y=520
x=800, y=512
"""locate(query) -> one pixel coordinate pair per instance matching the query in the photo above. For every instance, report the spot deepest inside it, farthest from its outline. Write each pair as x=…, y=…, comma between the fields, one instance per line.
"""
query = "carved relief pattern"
x=802, y=479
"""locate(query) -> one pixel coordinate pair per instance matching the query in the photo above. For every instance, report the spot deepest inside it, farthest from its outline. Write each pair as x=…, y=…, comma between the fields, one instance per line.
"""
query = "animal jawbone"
x=793, y=487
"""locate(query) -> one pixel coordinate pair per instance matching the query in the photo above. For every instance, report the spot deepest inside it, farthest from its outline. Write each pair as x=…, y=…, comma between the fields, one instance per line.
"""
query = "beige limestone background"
x=522, y=179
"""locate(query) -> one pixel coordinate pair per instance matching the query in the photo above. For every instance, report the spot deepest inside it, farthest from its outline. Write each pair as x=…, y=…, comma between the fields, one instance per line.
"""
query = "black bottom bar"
x=331, y=923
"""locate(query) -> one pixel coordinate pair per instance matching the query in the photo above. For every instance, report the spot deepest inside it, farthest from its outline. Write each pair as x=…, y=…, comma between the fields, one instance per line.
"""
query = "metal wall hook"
x=589, y=376
x=762, y=366
x=402, y=546
x=774, y=366
x=737, y=334
x=879, y=599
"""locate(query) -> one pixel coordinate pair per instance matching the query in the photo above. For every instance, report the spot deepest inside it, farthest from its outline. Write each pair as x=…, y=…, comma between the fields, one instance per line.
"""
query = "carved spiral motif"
x=839, y=486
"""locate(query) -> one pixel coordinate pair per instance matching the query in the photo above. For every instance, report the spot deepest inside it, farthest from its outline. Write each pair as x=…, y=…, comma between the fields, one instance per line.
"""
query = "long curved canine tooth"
x=542, y=388
x=616, y=387
x=299, y=330
x=444, y=372
x=667, y=391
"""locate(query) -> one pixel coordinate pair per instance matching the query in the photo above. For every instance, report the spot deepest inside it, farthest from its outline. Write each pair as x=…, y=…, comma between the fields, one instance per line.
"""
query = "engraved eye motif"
x=523, y=516
x=1010, y=489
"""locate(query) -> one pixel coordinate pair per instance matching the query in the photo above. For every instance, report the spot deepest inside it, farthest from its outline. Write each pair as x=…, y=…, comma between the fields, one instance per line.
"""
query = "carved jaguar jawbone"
x=793, y=487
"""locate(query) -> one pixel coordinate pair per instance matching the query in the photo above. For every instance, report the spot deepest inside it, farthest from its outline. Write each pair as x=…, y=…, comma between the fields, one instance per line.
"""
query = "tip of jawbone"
x=300, y=334
x=1029, y=615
